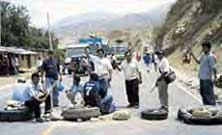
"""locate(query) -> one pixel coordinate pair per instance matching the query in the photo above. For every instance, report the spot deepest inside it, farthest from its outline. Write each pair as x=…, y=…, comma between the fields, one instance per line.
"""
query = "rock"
x=121, y=115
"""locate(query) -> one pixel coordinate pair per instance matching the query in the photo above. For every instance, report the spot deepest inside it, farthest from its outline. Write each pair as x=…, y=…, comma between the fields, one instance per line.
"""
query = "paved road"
x=135, y=126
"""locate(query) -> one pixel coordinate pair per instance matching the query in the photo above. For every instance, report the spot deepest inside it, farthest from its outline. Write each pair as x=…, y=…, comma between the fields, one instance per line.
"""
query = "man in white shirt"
x=132, y=77
x=164, y=68
x=103, y=68
x=33, y=98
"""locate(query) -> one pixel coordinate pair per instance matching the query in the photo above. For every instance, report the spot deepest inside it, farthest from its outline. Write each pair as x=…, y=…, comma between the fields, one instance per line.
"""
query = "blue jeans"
x=207, y=92
x=106, y=104
x=104, y=86
x=55, y=93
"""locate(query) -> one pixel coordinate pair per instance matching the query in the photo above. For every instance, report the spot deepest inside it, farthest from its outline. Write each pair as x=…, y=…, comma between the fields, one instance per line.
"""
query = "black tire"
x=185, y=116
x=84, y=114
x=151, y=115
x=16, y=115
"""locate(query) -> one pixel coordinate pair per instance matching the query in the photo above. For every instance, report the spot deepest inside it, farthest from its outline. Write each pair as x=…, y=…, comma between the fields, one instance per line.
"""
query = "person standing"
x=161, y=83
x=207, y=69
x=51, y=69
x=39, y=63
x=147, y=59
x=132, y=77
x=102, y=67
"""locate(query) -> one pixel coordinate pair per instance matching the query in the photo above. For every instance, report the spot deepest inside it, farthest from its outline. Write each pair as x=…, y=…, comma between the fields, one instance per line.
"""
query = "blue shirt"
x=30, y=91
x=51, y=68
x=207, y=66
x=78, y=88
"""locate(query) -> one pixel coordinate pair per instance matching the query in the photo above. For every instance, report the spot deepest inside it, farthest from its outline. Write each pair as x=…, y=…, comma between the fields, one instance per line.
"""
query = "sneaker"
x=130, y=106
x=46, y=115
x=164, y=108
x=136, y=106
x=39, y=120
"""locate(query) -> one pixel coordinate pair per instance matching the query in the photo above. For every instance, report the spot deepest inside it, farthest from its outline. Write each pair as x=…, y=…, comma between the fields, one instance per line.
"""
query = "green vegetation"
x=16, y=29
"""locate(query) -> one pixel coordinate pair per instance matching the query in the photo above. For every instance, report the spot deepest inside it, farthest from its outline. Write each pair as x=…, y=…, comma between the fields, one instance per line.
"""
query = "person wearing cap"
x=102, y=67
x=132, y=77
x=51, y=69
x=207, y=70
x=161, y=83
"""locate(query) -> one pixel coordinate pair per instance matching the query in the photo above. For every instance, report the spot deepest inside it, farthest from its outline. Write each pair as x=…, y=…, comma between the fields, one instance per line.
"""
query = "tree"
x=16, y=29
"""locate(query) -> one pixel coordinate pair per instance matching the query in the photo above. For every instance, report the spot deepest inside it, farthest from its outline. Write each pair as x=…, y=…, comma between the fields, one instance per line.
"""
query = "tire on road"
x=83, y=113
x=152, y=114
x=186, y=116
x=16, y=115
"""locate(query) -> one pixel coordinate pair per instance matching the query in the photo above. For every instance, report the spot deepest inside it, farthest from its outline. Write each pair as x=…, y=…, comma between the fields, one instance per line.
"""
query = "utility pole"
x=49, y=32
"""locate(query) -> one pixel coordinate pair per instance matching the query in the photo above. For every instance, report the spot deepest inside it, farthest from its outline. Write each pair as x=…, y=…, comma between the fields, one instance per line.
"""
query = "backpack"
x=91, y=95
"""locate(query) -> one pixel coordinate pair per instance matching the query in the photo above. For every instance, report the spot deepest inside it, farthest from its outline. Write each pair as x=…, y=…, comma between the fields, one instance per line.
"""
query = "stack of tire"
x=74, y=114
x=204, y=115
x=154, y=114
x=19, y=114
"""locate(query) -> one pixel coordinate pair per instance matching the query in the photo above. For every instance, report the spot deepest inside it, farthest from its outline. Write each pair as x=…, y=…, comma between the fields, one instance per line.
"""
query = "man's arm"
x=195, y=58
x=212, y=64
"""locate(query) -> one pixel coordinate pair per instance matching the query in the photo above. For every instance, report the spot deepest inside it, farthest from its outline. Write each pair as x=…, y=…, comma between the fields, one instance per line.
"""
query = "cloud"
x=59, y=9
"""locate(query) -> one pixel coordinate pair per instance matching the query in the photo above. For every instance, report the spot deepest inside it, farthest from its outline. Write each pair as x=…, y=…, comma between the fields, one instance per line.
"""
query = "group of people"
x=94, y=92
x=8, y=64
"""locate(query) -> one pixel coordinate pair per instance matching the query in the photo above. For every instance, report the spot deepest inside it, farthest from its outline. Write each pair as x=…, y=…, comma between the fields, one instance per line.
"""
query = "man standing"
x=52, y=73
x=132, y=79
x=103, y=69
x=207, y=63
x=161, y=83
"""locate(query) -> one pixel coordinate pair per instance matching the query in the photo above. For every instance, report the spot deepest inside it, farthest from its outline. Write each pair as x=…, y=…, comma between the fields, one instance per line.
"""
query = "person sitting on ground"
x=76, y=87
x=93, y=95
x=33, y=96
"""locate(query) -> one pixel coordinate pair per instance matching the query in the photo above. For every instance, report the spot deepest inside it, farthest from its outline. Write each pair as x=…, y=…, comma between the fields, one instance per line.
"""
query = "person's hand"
x=60, y=79
x=156, y=84
x=140, y=80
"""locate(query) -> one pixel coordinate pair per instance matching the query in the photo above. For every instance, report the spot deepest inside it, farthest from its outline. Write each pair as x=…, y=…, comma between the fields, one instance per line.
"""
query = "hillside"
x=187, y=25
x=189, y=22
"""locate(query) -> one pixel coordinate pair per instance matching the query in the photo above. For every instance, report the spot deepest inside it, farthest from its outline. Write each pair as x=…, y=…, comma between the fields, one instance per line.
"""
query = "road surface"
x=179, y=97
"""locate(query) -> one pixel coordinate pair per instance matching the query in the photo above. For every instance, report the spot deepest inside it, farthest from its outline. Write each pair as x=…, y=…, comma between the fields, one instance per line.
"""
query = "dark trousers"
x=48, y=104
x=207, y=92
x=34, y=106
x=132, y=91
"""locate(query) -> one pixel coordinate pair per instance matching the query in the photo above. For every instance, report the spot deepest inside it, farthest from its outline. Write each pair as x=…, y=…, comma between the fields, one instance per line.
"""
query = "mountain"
x=107, y=22
x=189, y=23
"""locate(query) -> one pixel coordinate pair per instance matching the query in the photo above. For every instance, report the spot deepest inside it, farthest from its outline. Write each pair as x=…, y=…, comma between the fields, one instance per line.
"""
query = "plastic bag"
x=17, y=92
x=60, y=87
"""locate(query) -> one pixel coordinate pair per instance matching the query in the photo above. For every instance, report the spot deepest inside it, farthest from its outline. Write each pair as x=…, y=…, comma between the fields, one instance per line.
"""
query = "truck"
x=74, y=53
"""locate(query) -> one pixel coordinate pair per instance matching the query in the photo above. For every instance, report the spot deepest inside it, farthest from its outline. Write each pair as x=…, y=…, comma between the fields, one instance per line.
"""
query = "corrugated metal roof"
x=16, y=50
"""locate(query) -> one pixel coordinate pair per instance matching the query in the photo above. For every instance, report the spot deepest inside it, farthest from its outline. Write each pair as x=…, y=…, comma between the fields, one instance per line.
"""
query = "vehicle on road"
x=119, y=51
x=74, y=55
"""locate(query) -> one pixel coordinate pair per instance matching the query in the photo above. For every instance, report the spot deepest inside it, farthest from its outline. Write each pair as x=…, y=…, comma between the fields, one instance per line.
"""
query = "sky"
x=59, y=9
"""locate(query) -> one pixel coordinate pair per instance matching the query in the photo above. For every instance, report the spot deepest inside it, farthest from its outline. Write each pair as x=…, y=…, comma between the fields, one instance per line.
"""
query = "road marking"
x=189, y=93
x=48, y=131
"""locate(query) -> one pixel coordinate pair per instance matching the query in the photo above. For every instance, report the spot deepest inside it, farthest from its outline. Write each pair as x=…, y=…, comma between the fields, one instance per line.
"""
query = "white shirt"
x=164, y=65
x=102, y=65
x=130, y=69
x=39, y=63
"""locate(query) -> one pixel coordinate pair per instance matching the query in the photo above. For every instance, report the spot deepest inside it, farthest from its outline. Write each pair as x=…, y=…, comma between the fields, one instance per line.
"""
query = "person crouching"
x=34, y=96
x=93, y=95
